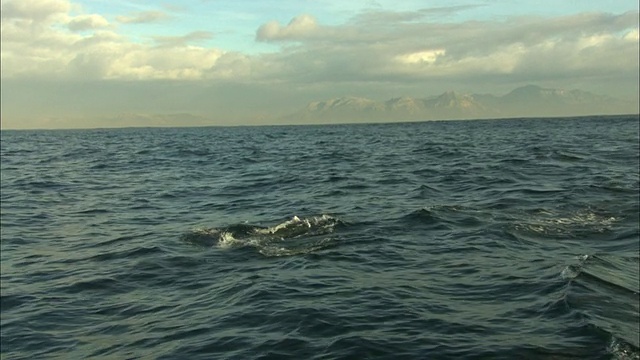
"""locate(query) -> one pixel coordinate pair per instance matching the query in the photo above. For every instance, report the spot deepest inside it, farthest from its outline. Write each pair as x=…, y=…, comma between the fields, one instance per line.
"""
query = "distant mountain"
x=536, y=100
x=526, y=101
x=454, y=105
x=345, y=105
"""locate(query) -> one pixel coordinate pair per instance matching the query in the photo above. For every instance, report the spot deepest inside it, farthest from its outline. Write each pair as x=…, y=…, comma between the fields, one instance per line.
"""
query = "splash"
x=292, y=237
x=572, y=271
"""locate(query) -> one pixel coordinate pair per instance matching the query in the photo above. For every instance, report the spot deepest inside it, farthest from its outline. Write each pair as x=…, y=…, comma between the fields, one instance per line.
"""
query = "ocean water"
x=495, y=239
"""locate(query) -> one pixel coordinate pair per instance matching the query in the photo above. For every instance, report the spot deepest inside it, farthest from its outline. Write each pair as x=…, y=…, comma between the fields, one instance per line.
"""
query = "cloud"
x=299, y=27
x=531, y=48
x=403, y=51
x=382, y=17
x=183, y=39
x=143, y=17
x=121, y=60
x=87, y=22
x=42, y=47
x=424, y=56
x=632, y=35
x=37, y=10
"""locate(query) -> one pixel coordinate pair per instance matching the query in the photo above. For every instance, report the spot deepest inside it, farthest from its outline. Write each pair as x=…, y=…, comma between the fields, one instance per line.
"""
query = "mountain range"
x=526, y=101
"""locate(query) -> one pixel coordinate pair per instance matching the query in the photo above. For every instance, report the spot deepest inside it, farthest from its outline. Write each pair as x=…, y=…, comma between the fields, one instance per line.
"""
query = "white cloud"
x=632, y=35
x=37, y=10
x=421, y=57
x=298, y=28
x=43, y=48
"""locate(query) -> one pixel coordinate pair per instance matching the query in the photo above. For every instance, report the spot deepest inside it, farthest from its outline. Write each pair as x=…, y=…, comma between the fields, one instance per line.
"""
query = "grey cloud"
x=381, y=17
x=447, y=10
x=143, y=17
x=87, y=22
x=234, y=66
x=183, y=40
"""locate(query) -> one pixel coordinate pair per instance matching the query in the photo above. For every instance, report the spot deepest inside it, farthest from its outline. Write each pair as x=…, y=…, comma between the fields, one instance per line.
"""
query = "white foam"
x=227, y=240
x=552, y=224
x=324, y=222
x=569, y=272
x=582, y=258
x=272, y=241
x=584, y=218
x=572, y=271
x=294, y=221
x=622, y=351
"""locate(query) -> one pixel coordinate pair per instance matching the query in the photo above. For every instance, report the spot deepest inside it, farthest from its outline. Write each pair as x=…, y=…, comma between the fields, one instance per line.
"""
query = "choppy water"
x=479, y=239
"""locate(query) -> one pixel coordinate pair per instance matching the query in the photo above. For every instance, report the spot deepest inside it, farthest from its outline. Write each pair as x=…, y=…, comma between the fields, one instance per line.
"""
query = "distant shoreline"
x=566, y=117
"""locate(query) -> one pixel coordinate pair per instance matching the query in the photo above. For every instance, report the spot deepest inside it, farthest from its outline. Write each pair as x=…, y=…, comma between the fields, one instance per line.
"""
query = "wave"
x=447, y=217
x=605, y=289
x=581, y=223
x=292, y=237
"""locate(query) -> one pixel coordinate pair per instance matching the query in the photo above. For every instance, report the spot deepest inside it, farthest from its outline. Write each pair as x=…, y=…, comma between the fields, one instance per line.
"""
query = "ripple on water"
x=485, y=239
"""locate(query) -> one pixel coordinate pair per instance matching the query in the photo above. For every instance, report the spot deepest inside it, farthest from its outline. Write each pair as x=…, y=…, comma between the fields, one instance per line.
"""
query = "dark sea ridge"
x=493, y=239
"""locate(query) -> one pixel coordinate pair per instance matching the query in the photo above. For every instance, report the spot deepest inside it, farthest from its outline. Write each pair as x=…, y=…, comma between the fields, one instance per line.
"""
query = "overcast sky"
x=102, y=63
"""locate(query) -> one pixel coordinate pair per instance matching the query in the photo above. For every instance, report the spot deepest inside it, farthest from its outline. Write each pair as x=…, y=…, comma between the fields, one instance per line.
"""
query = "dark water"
x=480, y=239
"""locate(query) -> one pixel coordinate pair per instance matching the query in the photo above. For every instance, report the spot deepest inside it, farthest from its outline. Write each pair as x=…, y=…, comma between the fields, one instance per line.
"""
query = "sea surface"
x=488, y=239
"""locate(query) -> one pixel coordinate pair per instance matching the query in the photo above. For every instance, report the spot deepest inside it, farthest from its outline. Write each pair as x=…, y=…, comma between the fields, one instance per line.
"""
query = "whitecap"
x=291, y=237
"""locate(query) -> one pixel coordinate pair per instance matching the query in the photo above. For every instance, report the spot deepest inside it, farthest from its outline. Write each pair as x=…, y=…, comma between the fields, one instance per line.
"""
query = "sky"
x=114, y=63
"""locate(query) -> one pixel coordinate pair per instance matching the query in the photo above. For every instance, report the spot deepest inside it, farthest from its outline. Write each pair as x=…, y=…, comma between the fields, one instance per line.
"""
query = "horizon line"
x=560, y=117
